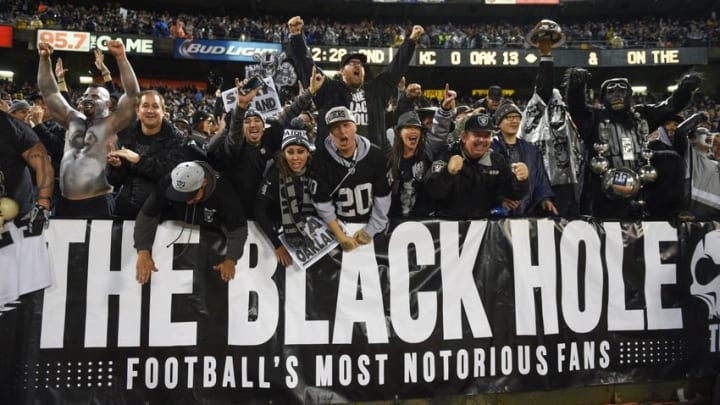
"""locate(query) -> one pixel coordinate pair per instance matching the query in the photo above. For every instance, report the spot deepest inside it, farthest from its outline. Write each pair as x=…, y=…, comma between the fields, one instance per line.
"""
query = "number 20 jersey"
x=353, y=200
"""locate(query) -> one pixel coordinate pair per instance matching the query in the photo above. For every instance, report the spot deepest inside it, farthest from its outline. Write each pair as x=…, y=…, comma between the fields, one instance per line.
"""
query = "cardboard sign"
x=266, y=101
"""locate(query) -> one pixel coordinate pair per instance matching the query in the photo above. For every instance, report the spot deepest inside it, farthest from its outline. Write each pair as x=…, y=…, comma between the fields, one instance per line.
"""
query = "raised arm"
x=125, y=112
x=59, y=108
x=104, y=71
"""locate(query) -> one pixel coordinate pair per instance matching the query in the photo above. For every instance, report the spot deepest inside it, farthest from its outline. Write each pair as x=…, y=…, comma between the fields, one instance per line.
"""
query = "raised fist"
x=417, y=32
x=690, y=81
x=116, y=48
x=455, y=164
x=45, y=49
x=295, y=25
x=576, y=77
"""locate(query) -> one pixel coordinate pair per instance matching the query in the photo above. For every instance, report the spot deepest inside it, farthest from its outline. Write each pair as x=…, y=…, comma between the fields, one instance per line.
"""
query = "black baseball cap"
x=479, y=123
x=353, y=55
x=495, y=93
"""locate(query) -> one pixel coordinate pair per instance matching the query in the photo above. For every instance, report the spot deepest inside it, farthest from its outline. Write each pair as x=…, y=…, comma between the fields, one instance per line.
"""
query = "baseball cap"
x=425, y=111
x=18, y=105
x=338, y=114
x=479, y=122
x=199, y=117
x=495, y=93
x=353, y=55
x=185, y=180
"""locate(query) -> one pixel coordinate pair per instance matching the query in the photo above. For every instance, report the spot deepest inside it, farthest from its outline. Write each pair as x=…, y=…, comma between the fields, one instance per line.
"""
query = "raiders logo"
x=209, y=215
x=438, y=165
x=483, y=120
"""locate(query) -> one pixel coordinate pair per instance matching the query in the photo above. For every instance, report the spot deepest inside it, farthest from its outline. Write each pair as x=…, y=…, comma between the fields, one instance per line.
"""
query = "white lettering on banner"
x=503, y=360
x=151, y=374
x=581, y=321
x=60, y=235
x=101, y=283
x=346, y=370
x=570, y=257
x=244, y=330
x=619, y=317
x=359, y=267
x=408, y=329
x=292, y=378
x=163, y=331
x=360, y=272
x=528, y=277
x=658, y=274
x=299, y=330
x=459, y=287
x=714, y=330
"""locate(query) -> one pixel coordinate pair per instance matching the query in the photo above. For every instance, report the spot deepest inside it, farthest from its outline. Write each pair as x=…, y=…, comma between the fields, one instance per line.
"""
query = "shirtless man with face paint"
x=91, y=134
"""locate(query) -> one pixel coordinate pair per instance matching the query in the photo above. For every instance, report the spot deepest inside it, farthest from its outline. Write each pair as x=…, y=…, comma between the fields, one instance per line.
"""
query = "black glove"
x=690, y=82
x=576, y=77
x=38, y=219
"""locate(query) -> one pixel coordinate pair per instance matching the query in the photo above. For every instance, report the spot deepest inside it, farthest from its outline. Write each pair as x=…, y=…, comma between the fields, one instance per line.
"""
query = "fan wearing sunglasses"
x=623, y=182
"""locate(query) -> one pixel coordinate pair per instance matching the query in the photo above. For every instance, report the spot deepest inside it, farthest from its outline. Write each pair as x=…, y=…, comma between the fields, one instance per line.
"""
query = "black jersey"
x=351, y=184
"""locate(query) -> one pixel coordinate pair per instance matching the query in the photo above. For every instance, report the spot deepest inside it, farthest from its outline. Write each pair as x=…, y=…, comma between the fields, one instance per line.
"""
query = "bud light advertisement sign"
x=207, y=49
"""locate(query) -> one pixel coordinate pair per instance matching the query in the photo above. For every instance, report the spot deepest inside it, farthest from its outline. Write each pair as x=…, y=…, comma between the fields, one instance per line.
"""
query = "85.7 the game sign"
x=80, y=41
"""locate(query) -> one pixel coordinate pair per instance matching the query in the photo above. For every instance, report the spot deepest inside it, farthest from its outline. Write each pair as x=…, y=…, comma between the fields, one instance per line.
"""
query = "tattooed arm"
x=39, y=161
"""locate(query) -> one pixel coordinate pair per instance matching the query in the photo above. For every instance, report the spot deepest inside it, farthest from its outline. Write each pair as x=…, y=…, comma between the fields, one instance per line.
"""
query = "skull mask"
x=705, y=270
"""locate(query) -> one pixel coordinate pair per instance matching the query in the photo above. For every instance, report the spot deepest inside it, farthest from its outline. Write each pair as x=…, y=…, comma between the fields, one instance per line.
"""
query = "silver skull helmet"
x=705, y=270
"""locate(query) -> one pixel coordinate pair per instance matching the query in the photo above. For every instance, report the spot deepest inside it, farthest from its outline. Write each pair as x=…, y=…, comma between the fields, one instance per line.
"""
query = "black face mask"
x=616, y=95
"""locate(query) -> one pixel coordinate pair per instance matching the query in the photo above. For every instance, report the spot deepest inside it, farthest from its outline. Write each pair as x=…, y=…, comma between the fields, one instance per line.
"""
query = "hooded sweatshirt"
x=355, y=189
x=217, y=209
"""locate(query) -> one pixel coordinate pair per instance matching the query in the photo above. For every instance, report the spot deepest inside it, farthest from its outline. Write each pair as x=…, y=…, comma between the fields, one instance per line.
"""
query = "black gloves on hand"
x=38, y=219
x=576, y=77
x=690, y=81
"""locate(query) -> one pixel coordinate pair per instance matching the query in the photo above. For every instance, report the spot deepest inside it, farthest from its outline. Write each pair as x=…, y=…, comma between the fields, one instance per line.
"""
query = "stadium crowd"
x=354, y=149
x=648, y=32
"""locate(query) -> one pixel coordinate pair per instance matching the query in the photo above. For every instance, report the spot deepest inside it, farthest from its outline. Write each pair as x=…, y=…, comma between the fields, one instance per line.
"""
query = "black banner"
x=430, y=309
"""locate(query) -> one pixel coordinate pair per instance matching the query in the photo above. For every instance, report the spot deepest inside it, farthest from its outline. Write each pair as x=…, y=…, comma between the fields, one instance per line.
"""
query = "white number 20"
x=354, y=201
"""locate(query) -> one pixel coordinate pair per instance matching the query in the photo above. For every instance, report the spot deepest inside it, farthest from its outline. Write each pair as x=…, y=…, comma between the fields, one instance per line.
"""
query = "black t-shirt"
x=16, y=138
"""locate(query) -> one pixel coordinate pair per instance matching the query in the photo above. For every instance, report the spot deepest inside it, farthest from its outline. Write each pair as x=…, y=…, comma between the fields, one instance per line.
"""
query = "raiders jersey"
x=352, y=194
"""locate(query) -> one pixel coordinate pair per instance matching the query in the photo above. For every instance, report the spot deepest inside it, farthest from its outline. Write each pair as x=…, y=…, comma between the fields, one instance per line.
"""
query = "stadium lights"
x=6, y=74
x=86, y=80
x=672, y=88
x=639, y=89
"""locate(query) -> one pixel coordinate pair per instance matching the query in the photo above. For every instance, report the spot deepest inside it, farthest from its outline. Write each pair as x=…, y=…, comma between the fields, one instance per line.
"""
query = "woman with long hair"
x=409, y=162
x=283, y=202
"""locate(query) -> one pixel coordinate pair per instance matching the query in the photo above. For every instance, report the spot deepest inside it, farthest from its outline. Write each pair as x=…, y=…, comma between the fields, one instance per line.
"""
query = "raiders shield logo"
x=483, y=120
x=438, y=165
x=209, y=215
